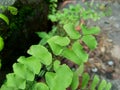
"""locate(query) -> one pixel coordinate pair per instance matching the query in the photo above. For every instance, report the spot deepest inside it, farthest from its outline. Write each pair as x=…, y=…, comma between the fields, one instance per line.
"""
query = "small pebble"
x=94, y=69
x=110, y=63
x=102, y=49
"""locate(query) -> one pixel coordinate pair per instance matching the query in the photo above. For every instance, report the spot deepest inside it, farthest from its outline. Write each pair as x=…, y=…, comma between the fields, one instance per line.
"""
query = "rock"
x=115, y=84
x=115, y=36
x=94, y=70
x=110, y=63
x=7, y=2
x=116, y=51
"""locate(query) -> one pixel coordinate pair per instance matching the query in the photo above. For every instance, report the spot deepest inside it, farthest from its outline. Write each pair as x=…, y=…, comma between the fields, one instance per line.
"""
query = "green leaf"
x=44, y=37
x=32, y=63
x=22, y=71
x=90, y=41
x=102, y=85
x=40, y=86
x=54, y=80
x=1, y=43
x=53, y=31
x=50, y=77
x=40, y=52
x=70, y=55
x=70, y=30
x=5, y=87
x=2, y=8
x=78, y=50
x=56, y=49
x=80, y=70
x=94, y=82
x=53, y=18
x=15, y=81
x=62, y=41
x=56, y=65
x=85, y=80
x=75, y=81
x=57, y=44
x=108, y=86
x=65, y=71
x=5, y=18
x=13, y=10
x=77, y=73
x=43, y=41
x=53, y=1
x=76, y=55
x=91, y=30
x=42, y=34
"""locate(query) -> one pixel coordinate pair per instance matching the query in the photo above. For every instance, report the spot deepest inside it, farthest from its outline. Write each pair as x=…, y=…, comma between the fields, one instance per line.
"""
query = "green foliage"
x=26, y=68
x=75, y=82
x=30, y=62
x=5, y=18
x=88, y=39
x=76, y=54
x=102, y=85
x=41, y=53
x=1, y=47
x=44, y=60
x=40, y=86
x=45, y=36
x=3, y=8
x=12, y=10
x=56, y=81
x=1, y=43
x=16, y=22
x=58, y=43
x=91, y=30
x=76, y=74
x=85, y=79
x=94, y=82
x=19, y=68
x=108, y=86
x=70, y=30
x=52, y=6
x=88, y=83
x=74, y=14
x=12, y=81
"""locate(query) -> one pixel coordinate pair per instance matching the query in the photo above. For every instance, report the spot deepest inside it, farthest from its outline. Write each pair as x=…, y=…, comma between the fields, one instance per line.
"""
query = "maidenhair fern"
x=70, y=30
x=94, y=82
x=44, y=60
